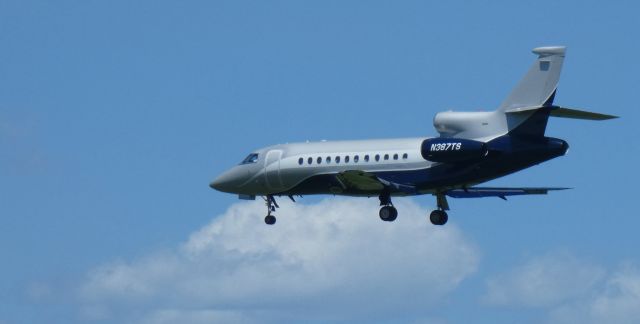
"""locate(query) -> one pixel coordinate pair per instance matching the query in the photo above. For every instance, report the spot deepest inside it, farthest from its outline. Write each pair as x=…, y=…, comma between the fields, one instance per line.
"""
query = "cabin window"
x=405, y=156
x=395, y=156
x=377, y=157
x=386, y=157
x=319, y=160
x=356, y=159
x=300, y=161
x=366, y=158
x=310, y=160
x=328, y=159
x=337, y=159
x=346, y=159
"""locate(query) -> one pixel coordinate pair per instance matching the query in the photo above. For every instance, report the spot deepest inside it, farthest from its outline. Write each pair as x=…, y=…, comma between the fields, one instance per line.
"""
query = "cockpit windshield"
x=251, y=158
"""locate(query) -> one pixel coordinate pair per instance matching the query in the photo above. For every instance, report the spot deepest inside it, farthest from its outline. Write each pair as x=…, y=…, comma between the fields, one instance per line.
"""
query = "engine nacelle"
x=447, y=150
x=464, y=124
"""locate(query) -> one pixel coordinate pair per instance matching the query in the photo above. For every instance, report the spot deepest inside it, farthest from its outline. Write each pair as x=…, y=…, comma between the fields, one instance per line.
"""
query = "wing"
x=360, y=180
x=368, y=182
x=479, y=192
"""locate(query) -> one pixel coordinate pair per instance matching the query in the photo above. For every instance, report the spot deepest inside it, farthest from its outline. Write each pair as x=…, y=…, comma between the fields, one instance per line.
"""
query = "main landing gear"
x=387, y=213
x=439, y=216
x=271, y=207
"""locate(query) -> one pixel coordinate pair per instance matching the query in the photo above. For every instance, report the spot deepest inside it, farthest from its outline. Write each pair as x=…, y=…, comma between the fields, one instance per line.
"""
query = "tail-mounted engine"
x=448, y=150
x=462, y=124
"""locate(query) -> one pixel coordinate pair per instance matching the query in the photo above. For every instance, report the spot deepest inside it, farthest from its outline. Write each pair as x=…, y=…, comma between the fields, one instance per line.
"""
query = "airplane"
x=472, y=148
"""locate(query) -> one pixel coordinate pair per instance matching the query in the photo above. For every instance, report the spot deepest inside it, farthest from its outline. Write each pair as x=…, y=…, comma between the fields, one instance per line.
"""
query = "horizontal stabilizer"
x=578, y=114
x=557, y=111
x=479, y=192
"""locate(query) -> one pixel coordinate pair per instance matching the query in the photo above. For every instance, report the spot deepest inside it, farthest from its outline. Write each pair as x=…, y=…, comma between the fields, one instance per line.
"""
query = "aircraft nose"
x=226, y=182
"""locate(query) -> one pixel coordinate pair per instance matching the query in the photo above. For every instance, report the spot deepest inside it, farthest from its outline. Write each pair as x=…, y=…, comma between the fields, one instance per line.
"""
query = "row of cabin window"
x=356, y=159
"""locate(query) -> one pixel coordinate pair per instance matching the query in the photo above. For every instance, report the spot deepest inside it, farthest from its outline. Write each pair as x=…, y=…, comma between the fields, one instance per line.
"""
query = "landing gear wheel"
x=271, y=207
x=438, y=217
x=388, y=213
x=270, y=220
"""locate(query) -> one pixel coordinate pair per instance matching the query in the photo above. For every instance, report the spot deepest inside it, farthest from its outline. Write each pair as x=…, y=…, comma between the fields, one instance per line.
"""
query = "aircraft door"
x=272, y=169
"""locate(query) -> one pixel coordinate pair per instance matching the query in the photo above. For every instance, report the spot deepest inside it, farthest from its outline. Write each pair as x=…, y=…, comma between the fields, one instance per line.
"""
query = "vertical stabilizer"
x=538, y=86
x=525, y=112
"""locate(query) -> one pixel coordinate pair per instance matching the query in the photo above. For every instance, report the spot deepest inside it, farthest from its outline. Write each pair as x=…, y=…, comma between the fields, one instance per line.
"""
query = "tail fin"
x=538, y=86
x=525, y=112
x=530, y=104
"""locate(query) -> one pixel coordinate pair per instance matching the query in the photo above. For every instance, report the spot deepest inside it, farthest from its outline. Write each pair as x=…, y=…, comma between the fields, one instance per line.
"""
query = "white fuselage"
x=280, y=168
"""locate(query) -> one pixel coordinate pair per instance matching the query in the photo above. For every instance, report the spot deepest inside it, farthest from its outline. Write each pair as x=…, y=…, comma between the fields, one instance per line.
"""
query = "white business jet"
x=472, y=148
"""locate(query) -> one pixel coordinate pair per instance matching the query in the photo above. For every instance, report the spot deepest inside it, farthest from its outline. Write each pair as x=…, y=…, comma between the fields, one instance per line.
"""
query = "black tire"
x=384, y=213
x=444, y=219
x=438, y=217
x=394, y=214
x=270, y=220
x=434, y=217
x=388, y=213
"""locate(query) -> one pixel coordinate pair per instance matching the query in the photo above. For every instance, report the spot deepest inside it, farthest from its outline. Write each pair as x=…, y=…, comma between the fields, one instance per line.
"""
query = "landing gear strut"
x=439, y=216
x=387, y=213
x=271, y=207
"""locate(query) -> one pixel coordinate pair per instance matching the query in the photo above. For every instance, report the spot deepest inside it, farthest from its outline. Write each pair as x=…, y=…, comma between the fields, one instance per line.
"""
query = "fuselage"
x=284, y=168
x=312, y=167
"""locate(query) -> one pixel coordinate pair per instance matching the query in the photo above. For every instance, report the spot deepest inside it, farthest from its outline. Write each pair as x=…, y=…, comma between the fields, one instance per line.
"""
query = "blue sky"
x=115, y=115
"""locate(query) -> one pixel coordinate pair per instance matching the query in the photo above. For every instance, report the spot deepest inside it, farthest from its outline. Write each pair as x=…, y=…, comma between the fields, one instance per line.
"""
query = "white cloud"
x=569, y=290
x=543, y=281
x=334, y=259
x=618, y=301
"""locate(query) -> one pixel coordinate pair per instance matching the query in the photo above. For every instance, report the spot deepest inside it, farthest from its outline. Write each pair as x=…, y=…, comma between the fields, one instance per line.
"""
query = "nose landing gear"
x=271, y=207
x=269, y=219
